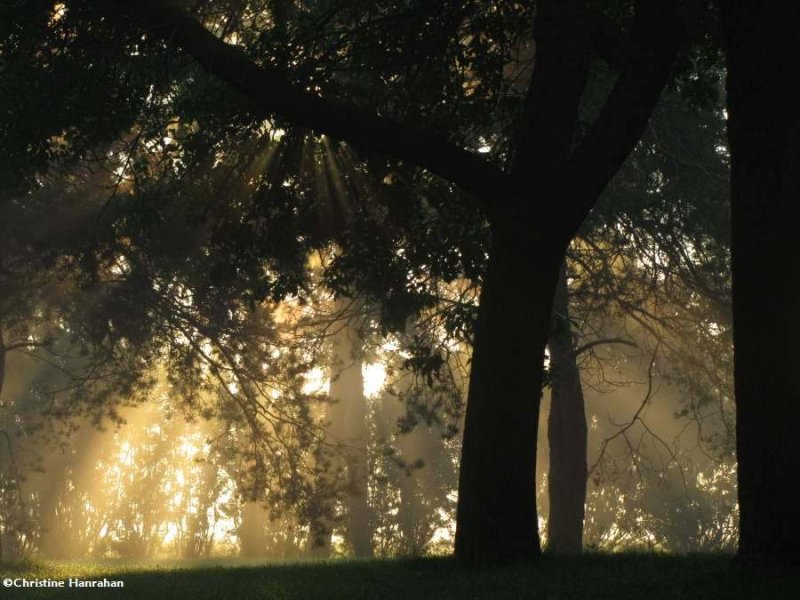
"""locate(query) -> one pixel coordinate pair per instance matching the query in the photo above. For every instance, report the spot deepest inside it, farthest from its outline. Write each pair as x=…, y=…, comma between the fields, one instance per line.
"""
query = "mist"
x=377, y=473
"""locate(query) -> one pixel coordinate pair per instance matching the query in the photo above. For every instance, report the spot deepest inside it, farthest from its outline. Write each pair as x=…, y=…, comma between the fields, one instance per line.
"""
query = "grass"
x=624, y=576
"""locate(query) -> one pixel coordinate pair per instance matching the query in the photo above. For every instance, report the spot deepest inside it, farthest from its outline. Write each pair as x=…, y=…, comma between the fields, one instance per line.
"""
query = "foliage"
x=192, y=216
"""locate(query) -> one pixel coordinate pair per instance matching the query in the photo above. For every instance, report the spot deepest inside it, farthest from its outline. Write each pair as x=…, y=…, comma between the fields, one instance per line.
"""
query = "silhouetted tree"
x=550, y=163
x=654, y=252
x=566, y=430
x=764, y=132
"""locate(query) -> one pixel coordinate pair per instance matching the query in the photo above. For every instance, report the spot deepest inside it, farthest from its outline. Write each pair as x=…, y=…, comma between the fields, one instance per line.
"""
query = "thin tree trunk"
x=2, y=381
x=566, y=433
x=347, y=425
x=319, y=537
x=252, y=530
x=62, y=471
x=2, y=361
x=764, y=132
x=419, y=488
x=497, y=516
x=322, y=509
x=347, y=389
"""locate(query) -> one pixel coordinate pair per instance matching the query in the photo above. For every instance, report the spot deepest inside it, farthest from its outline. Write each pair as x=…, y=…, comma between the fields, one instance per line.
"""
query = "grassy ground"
x=649, y=577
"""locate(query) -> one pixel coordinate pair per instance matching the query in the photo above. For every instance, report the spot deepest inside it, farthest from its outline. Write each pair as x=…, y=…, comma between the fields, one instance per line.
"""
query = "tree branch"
x=608, y=41
x=655, y=37
x=636, y=416
x=274, y=94
x=545, y=133
x=589, y=345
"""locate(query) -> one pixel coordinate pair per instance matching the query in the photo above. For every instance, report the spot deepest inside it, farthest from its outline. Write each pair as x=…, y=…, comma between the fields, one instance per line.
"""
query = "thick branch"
x=545, y=134
x=608, y=41
x=275, y=95
x=656, y=35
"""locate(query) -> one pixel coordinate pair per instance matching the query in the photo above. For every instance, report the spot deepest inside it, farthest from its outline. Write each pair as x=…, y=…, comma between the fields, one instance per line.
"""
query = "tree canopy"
x=201, y=151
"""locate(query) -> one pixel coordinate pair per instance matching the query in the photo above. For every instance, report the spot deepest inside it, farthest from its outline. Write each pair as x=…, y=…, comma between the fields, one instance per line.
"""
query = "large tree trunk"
x=764, y=132
x=497, y=517
x=566, y=432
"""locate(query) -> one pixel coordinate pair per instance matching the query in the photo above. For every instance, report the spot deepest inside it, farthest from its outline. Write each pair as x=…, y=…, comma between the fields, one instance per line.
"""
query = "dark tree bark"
x=567, y=433
x=764, y=132
x=548, y=193
x=496, y=516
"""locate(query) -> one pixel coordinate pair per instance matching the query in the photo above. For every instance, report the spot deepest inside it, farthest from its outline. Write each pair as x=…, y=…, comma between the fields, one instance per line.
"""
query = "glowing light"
x=316, y=381
x=59, y=11
x=126, y=454
x=374, y=378
x=188, y=449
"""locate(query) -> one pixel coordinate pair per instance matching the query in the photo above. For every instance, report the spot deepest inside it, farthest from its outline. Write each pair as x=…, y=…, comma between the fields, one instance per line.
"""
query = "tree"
x=533, y=207
x=764, y=132
x=347, y=429
x=654, y=252
x=566, y=430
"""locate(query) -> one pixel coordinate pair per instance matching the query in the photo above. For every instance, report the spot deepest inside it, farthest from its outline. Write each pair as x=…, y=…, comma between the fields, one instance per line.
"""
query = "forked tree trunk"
x=764, y=132
x=567, y=433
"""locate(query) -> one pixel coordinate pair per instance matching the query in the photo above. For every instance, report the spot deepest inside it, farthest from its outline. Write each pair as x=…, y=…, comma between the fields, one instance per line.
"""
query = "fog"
x=373, y=471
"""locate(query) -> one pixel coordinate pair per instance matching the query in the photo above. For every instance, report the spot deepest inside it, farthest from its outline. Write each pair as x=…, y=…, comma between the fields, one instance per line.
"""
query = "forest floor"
x=619, y=576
